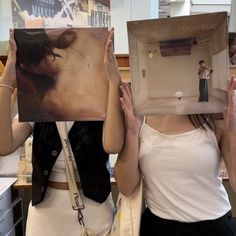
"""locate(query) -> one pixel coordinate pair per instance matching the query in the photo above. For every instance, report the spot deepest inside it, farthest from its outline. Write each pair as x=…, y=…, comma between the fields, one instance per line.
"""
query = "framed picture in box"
x=179, y=65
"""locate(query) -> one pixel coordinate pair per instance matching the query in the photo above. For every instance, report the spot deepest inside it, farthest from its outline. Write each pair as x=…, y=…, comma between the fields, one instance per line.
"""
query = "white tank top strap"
x=144, y=119
x=144, y=122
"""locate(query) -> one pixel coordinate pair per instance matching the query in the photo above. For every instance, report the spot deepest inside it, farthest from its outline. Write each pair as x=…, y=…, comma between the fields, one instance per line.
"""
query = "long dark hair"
x=33, y=45
x=200, y=120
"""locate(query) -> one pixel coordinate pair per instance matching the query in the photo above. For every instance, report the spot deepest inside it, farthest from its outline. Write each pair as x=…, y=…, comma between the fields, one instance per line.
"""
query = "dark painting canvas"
x=60, y=74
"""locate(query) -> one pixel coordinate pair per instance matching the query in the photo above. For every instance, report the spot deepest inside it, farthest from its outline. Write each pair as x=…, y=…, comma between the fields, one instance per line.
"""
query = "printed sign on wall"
x=60, y=13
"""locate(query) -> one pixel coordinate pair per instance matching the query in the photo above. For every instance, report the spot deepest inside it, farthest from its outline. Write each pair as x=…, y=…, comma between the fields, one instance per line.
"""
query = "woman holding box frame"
x=179, y=158
x=50, y=212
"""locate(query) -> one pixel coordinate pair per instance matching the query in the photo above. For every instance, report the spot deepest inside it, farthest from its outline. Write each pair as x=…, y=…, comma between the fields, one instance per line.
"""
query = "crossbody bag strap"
x=76, y=201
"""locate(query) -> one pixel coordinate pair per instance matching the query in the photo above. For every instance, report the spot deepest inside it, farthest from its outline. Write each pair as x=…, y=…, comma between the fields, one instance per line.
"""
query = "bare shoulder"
x=220, y=127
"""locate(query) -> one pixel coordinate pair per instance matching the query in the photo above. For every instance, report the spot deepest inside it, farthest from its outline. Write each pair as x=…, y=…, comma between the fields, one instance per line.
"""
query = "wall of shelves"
x=123, y=64
x=232, y=70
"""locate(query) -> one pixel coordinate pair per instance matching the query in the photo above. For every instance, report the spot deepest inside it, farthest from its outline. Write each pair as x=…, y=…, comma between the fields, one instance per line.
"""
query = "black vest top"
x=91, y=159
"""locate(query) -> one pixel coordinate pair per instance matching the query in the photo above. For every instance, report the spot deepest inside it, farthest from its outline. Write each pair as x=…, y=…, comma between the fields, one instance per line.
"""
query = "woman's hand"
x=9, y=73
x=230, y=115
x=110, y=63
x=228, y=134
x=133, y=123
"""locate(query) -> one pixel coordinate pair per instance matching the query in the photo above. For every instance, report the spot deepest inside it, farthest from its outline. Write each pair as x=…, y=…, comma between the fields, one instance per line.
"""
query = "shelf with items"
x=11, y=211
x=124, y=68
x=232, y=70
x=1, y=67
x=3, y=59
x=24, y=172
x=125, y=74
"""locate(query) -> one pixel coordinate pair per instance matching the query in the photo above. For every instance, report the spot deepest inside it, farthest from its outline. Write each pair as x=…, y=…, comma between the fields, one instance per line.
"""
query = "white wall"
x=127, y=10
x=211, y=2
x=207, y=6
x=180, y=8
x=232, y=19
x=5, y=19
x=5, y=23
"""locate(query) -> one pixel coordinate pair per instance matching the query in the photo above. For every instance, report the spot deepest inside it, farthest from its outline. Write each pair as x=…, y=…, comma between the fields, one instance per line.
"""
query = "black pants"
x=152, y=225
x=203, y=90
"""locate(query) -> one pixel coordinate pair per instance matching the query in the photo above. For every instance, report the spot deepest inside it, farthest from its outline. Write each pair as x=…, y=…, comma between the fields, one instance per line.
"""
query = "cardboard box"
x=164, y=60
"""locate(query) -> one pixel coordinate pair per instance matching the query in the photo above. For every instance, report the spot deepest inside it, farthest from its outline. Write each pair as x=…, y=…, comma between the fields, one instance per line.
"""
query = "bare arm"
x=200, y=69
x=113, y=129
x=12, y=135
x=228, y=137
x=126, y=168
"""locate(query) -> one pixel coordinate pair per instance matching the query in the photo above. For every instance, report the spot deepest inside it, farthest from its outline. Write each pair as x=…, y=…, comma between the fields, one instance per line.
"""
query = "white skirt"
x=55, y=216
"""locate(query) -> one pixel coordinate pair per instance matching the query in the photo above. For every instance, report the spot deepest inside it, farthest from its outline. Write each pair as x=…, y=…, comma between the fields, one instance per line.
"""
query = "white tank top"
x=181, y=175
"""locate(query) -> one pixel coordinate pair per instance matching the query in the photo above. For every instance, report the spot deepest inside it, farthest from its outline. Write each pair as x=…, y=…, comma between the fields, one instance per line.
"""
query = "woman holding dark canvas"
x=50, y=212
x=179, y=158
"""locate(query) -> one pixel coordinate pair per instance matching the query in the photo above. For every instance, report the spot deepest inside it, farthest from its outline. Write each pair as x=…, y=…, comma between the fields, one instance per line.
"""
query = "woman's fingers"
x=231, y=88
x=231, y=103
x=109, y=41
x=12, y=45
x=124, y=106
x=109, y=56
x=230, y=84
x=128, y=90
x=109, y=51
x=125, y=95
x=111, y=34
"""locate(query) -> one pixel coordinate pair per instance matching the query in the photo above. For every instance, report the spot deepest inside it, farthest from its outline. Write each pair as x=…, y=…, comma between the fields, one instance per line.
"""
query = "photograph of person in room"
x=178, y=157
x=204, y=73
x=50, y=212
x=232, y=48
x=60, y=74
